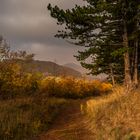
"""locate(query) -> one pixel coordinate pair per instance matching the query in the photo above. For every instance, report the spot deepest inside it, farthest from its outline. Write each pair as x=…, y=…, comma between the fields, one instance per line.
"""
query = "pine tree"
x=104, y=27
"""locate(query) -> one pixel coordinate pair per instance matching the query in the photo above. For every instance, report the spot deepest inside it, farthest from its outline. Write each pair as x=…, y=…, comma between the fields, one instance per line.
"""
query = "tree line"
x=110, y=31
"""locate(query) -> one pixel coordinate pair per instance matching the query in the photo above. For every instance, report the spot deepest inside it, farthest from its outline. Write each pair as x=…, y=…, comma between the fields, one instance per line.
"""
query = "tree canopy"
x=109, y=29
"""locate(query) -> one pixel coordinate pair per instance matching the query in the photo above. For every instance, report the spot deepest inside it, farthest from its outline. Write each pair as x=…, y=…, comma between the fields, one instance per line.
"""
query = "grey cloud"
x=25, y=22
x=62, y=54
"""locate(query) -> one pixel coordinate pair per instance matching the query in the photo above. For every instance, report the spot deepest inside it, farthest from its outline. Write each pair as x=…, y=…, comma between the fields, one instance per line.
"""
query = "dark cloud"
x=26, y=24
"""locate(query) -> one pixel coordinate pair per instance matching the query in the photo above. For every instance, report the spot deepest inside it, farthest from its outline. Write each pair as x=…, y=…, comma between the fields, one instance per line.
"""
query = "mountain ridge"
x=76, y=67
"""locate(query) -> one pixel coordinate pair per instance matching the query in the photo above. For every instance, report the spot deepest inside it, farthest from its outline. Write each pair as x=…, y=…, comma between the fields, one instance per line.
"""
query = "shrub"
x=70, y=87
x=15, y=82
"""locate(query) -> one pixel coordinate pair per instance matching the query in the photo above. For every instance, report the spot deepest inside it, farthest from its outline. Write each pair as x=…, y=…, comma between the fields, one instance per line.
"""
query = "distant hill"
x=76, y=67
x=48, y=68
x=84, y=72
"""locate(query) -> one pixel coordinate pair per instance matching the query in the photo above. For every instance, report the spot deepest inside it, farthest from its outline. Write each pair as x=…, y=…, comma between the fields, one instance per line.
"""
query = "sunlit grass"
x=114, y=117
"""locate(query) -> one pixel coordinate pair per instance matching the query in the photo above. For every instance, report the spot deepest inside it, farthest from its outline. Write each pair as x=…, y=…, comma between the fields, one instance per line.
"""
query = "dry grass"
x=114, y=117
x=21, y=119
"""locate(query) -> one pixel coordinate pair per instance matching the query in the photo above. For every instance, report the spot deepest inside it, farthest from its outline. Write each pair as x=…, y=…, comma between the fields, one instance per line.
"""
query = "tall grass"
x=30, y=102
x=22, y=119
x=115, y=117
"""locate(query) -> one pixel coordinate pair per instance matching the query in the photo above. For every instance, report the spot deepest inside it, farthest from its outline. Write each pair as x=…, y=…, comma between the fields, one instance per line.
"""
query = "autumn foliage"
x=15, y=82
x=70, y=87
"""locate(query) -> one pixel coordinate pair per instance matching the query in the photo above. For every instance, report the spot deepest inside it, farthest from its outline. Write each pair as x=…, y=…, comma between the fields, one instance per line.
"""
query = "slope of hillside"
x=84, y=72
x=49, y=68
x=76, y=67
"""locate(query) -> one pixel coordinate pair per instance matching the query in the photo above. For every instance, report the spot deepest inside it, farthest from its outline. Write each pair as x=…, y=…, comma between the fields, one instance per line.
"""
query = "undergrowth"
x=69, y=87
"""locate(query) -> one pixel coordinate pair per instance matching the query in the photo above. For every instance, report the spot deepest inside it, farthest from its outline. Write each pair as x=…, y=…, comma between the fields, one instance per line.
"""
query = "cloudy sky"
x=27, y=25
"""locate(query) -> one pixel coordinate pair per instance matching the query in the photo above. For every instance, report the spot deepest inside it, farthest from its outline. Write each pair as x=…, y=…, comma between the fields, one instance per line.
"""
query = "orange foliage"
x=73, y=88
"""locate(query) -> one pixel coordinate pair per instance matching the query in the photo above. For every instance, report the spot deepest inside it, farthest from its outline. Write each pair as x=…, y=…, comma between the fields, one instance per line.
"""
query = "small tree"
x=14, y=80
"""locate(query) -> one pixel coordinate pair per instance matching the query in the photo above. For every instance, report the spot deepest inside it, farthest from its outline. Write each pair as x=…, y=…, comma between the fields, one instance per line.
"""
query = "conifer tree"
x=105, y=28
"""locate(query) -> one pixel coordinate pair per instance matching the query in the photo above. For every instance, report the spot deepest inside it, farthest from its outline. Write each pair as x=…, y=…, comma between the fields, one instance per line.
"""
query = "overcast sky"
x=27, y=25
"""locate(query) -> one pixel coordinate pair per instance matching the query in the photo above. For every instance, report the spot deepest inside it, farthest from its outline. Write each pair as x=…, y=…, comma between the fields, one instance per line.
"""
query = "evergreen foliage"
x=108, y=29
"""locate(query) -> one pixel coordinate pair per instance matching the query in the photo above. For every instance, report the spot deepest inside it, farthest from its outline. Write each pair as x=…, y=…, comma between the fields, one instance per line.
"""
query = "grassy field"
x=115, y=117
x=110, y=114
x=110, y=117
x=30, y=103
x=22, y=119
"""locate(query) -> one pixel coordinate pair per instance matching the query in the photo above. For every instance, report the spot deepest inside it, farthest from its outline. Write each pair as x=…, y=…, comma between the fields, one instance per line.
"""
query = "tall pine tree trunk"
x=127, y=69
x=135, y=77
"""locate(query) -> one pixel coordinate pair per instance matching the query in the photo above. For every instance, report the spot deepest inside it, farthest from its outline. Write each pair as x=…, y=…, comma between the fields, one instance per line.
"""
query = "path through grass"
x=70, y=124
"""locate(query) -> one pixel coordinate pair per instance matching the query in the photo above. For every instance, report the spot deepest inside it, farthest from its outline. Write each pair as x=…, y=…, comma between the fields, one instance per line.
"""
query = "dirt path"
x=70, y=124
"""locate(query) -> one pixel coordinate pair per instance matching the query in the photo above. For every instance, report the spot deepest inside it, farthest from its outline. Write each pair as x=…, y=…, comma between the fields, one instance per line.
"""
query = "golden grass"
x=21, y=119
x=115, y=116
